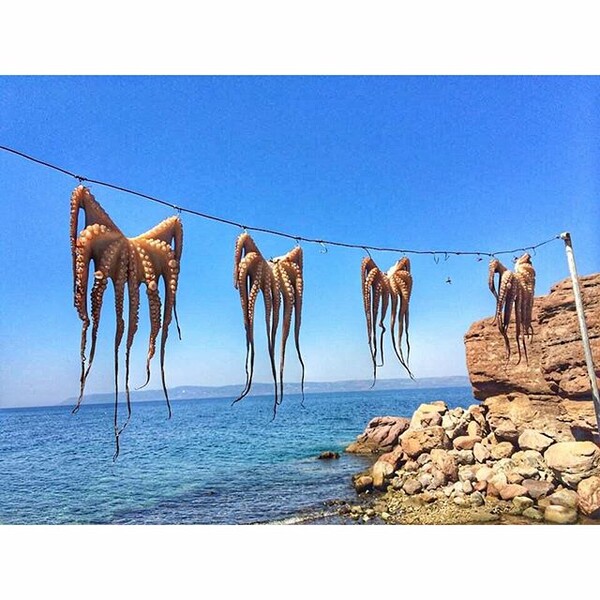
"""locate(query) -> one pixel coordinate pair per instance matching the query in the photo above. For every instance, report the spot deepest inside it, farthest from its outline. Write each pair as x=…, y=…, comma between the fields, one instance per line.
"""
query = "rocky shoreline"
x=450, y=466
x=528, y=453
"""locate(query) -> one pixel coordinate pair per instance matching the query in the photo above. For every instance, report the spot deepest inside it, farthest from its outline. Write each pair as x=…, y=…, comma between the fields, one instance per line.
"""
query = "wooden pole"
x=587, y=349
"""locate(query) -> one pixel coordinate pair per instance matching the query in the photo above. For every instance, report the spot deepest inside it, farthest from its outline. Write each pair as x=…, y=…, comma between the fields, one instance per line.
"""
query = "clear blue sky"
x=458, y=163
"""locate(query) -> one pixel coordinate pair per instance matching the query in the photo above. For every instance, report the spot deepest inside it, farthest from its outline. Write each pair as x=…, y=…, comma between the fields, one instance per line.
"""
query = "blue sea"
x=212, y=463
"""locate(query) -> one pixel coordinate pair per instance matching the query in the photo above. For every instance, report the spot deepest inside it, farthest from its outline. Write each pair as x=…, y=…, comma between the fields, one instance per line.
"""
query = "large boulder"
x=362, y=483
x=446, y=463
x=531, y=439
x=536, y=488
x=428, y=415
x=381, y=469
x=588, y=491
x=555, y=513
x=417, y=441
x=572, y=462
x=380, y=435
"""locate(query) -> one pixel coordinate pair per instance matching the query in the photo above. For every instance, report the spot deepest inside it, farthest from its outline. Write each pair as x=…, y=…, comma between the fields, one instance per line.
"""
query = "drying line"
x=297, y=238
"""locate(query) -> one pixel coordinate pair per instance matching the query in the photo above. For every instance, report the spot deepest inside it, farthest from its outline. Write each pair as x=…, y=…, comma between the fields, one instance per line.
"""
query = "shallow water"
x=212, y=463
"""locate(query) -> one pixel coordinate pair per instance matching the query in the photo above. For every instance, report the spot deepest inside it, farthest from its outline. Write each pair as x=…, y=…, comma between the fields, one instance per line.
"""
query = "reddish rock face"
x=512, y=490
x=380, y=435
x=537, y=489
x=563, y=361
x=465, y=442
x=573, y=461
x=556, y=364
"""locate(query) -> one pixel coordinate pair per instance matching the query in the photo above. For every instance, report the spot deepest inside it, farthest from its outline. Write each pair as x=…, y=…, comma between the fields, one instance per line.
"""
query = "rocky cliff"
x=550, y=391
x=556, y=364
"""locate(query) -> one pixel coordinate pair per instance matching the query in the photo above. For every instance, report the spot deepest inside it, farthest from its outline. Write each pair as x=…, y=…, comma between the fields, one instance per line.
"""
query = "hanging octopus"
x=400, y=280
x=127, y=262
x=280, y=281
x=379, y=290
x=515, y=290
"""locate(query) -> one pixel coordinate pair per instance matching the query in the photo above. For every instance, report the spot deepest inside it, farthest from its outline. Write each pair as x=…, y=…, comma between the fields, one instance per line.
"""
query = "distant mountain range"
x=199, y=392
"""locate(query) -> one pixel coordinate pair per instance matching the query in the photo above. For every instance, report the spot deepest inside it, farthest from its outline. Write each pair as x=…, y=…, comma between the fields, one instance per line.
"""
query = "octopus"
x=380, y=290
x=280, y=281
x=127, y=262
x=515, y=290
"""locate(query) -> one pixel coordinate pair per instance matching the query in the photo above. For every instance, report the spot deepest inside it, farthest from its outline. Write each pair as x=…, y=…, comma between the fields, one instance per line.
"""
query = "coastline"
x=450, y=467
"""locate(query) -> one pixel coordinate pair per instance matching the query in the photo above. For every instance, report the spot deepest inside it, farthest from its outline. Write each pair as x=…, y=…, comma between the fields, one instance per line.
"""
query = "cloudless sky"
x=428, y=163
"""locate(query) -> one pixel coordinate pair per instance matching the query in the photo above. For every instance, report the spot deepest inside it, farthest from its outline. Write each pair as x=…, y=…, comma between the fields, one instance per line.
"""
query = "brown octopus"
x=280, y=280
x=127, y=262
x=515, y=290
x=379, y=290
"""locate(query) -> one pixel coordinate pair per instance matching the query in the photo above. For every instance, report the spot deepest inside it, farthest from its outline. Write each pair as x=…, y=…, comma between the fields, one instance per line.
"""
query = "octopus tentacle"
x=506, y=299
x=402, y=326
x=268, y=275
x=295, y=267
x=372, y=279
x=247, y=260
x=243, y=246
x=134, y=309
x=367, y=267
x=101, y=276
x=242, y=286
x=92, y=236
x=169, y=310
x=288, y=294
x=495, y=267
x=167, y=258
x=81, y=257
x=385, y=298
x=119, y=286
x=393, y=313
x=518, y=323
x=149, y=277
x=249, y=285
x=374, y=285
x=401, y=285
x=166, y=262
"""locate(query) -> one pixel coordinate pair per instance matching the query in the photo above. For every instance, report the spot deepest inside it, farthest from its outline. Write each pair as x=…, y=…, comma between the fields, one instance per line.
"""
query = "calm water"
x=211, y=463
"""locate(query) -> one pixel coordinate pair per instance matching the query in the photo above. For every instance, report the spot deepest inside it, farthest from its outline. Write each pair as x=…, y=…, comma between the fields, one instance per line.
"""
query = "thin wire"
x=291, y=236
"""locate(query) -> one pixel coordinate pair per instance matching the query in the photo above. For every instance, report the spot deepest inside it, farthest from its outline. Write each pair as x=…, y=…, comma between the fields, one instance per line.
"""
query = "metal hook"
x=436, y=260
x=446, y=257
x=297, y=241
x=323, y=248
x=479, y=259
